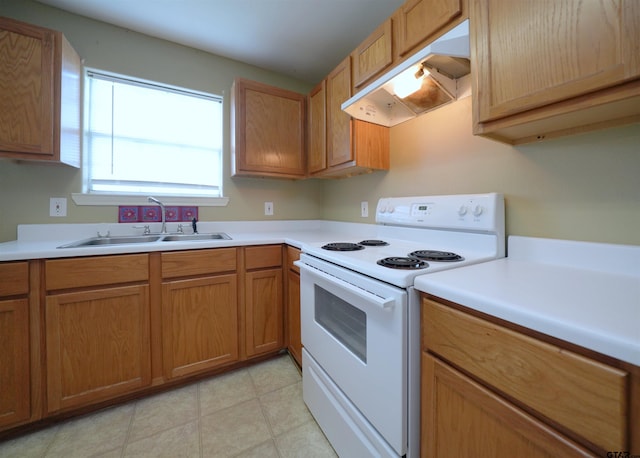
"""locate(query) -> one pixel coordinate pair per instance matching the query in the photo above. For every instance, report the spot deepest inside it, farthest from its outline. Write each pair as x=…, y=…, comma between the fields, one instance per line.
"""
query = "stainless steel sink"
x=194, y=237
x=113, y=240
x=127, y=239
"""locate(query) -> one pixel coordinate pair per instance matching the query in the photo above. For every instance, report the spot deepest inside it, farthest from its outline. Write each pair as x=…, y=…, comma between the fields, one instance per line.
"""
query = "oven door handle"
x=382, y=302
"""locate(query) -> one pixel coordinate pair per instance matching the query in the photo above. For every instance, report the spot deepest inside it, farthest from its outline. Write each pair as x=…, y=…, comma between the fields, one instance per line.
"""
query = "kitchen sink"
x=127, y=239
x=113, y=240
x=193, y=237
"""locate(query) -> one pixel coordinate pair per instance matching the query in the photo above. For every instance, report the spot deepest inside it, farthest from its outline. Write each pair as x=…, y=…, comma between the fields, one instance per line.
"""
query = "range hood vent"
x=440, y=72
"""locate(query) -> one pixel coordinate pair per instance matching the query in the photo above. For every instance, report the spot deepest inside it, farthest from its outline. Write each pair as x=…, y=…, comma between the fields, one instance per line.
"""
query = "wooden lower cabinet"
x=199, y=310
x=490, y=388
x=14, y=361
x=97, y=345
x=461, y=418
x=263, y=300
x=294, y=341
x=199, y=324
x=264, y=310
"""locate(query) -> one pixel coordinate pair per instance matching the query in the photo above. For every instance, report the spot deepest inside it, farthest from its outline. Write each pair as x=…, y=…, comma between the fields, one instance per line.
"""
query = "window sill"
x=118, y=199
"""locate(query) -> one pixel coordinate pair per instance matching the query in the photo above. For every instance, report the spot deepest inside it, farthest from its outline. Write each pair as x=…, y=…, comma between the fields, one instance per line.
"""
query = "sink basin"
x=112, y=240
x=194, y=237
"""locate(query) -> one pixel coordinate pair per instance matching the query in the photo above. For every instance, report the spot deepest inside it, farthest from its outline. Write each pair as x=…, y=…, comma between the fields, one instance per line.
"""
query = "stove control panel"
x=484, y=212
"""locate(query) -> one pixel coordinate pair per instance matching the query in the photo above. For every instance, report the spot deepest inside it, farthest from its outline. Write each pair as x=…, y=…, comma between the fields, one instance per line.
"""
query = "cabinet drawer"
x=95, y=271
x=583, y=395
x=14, y=278
x=293, y=254
x=198, y=262
x=260, y=257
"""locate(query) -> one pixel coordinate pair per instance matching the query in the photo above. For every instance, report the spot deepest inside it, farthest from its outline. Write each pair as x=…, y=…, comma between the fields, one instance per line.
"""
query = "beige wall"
x=584, y=187
x=25, y=188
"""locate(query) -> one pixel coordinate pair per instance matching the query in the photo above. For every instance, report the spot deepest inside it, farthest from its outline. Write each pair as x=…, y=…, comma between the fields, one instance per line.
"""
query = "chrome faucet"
x=163, y=229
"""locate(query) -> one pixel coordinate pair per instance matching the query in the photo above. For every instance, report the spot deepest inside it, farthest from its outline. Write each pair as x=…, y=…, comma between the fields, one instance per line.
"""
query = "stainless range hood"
x=440, y=73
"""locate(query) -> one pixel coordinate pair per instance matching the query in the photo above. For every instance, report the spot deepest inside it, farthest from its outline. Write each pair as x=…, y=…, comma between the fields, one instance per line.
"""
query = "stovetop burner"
x=434, y=255
x=403, y=263
x=373, y=242
x=342, y=246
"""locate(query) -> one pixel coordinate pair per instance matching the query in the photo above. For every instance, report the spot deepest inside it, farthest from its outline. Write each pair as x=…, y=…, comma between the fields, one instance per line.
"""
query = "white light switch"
x=57, y=206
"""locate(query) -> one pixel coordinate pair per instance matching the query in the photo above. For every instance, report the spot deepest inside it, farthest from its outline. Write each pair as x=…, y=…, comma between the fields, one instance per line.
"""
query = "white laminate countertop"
x=40, y=241
x=584, y=293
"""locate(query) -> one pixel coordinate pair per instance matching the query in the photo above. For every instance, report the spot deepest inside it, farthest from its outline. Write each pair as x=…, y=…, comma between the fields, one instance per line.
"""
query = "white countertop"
x=584, y=293
x=40, y=241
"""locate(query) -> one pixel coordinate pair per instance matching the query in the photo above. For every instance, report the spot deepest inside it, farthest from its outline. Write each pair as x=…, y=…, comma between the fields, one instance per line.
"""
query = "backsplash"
x=152, y=214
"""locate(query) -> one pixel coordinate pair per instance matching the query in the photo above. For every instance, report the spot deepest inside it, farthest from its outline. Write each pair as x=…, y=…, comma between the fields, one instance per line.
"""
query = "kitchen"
x=581, y=187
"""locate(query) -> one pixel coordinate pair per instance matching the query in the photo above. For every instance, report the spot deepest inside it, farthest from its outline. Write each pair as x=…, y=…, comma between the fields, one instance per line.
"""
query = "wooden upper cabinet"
x=39, y=94
x=267, y=131
x=421, y=21
x=338, y=122
x=352, y=147
x=373, y=56
x=543, y=72
x=317, y=153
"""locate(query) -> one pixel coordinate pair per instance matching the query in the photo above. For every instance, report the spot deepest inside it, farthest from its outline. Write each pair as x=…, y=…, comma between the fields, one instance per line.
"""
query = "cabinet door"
x=264, y=311
x=40, y=75
x=293, y=316
x=421, y=20
x=26, y=89
x=317, y=157
x=97, y=345
x=14, y=361
x=199, y=324
x=373, y=55
x=338, y=122
x=529, y=55
x=460, y=418
x=268, y=131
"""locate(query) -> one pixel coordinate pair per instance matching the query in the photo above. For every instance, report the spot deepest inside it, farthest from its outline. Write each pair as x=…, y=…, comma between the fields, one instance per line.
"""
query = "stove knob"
x=477, y=211
x=390, y=209
x=462, y=210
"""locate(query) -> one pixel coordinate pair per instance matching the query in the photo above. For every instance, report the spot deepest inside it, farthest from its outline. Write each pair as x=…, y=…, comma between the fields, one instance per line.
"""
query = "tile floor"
x=252, y=412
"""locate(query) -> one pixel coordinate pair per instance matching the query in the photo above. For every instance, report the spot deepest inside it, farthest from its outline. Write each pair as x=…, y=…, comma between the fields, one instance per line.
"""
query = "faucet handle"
x=146, y=228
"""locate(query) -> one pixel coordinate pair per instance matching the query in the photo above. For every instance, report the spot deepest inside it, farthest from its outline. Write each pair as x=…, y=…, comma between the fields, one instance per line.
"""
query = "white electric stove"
x=360, y=315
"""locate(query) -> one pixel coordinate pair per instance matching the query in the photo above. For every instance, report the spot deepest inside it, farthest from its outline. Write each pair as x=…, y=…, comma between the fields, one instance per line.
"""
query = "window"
x=144, y=138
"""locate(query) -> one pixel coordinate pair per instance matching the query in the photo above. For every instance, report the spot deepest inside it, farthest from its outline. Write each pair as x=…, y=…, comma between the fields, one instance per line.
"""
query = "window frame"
x=104, y=198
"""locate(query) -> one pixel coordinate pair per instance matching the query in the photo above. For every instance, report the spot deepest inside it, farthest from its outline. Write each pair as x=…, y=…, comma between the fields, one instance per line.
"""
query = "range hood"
x=440, y=72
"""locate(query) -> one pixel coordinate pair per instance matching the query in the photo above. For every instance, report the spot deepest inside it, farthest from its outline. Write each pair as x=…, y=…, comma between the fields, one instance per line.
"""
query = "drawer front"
x=96, y=271
x=260, y=257
x=293, y=254
x=14, y=278
x=198, y=262
x=583, y=395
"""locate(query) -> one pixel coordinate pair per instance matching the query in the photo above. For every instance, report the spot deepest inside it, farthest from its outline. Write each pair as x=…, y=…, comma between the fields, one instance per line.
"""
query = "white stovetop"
x=584, y=293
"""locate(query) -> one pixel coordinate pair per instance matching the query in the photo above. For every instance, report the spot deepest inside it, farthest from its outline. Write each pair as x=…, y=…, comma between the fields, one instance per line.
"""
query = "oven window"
x=343, y=321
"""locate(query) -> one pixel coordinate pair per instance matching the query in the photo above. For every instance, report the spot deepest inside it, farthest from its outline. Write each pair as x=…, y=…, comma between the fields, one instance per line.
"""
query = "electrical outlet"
x=57, y=206
x=268, y=208
x=364, y=209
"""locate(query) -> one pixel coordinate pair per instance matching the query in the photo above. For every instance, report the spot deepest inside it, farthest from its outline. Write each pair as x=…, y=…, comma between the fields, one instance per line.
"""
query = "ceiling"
x=304, y=39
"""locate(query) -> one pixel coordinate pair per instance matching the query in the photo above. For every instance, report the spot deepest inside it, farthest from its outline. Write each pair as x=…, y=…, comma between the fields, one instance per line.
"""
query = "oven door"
x=355, y=328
